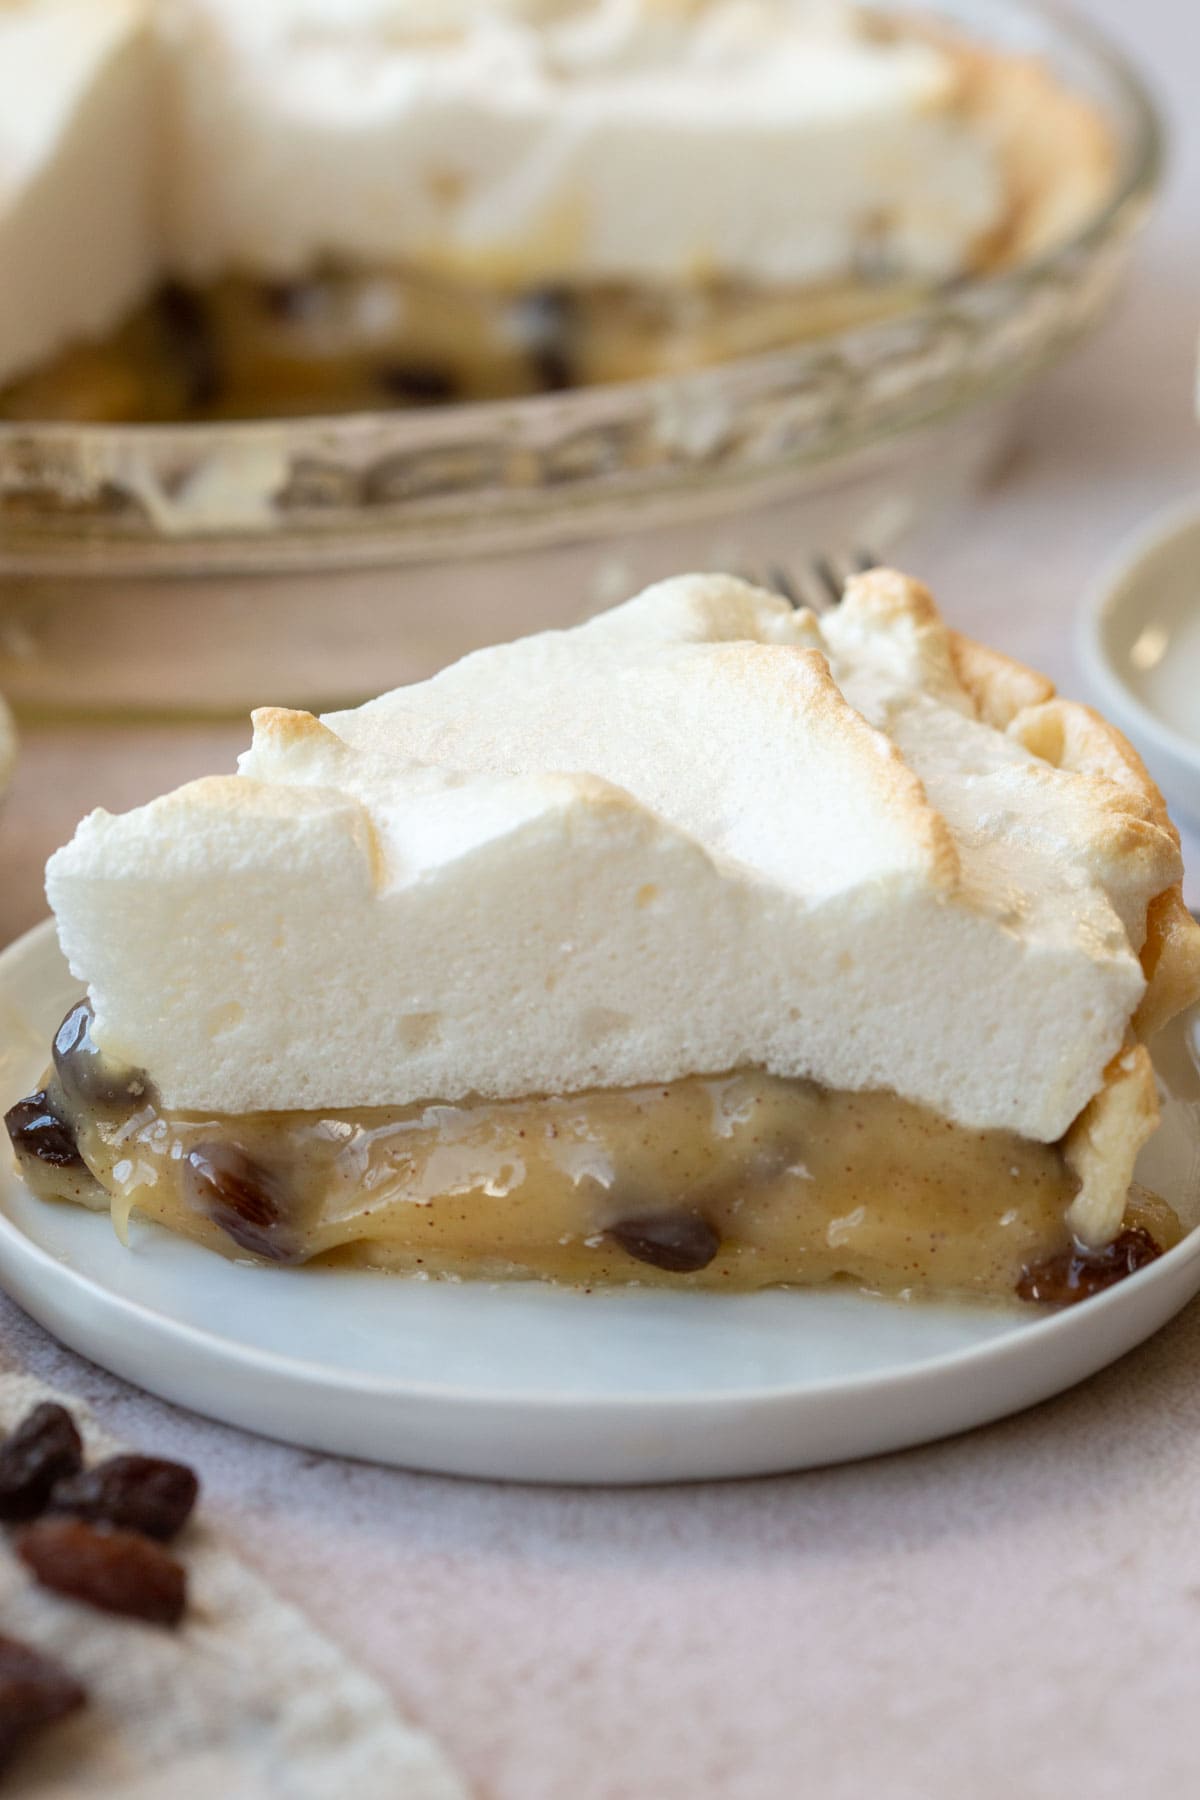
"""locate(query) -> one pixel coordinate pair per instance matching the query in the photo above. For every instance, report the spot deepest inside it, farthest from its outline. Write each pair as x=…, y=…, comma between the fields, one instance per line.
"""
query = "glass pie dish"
x=168, y=569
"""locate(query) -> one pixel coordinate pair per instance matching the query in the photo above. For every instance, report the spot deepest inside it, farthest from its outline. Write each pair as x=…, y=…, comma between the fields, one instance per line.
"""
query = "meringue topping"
x=78, y=208
x=628, y=140
x=698, y=833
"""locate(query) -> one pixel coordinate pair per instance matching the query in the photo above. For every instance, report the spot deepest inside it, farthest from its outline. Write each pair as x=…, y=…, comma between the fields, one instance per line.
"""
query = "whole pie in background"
x=217, y=209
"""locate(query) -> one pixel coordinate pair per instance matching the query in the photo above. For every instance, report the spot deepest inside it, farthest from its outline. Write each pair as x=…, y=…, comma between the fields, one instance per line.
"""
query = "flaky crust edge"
x=1102, y=1145
x=1054, y=145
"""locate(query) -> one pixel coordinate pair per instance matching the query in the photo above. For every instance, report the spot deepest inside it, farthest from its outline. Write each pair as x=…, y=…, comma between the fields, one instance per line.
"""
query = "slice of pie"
x=709, y=943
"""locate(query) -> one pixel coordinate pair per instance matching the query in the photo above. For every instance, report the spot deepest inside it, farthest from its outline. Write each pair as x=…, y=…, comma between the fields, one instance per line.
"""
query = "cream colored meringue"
x=639, y=140
x=78, y=218
x=699, y=832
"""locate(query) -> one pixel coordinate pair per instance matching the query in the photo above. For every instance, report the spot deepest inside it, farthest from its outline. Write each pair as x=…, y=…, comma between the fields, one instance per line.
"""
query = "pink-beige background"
x=1011, y=1614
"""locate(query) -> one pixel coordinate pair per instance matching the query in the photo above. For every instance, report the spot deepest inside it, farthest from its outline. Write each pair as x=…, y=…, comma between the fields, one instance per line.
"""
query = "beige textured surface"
x=244, y=1698
x=1012, y=1614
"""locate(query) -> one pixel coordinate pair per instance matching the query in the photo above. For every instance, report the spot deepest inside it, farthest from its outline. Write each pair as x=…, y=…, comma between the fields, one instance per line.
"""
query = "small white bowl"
x=1139, y=643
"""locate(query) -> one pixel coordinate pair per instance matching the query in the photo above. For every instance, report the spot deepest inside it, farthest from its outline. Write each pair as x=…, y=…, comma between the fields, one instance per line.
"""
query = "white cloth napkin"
x=244, y=1701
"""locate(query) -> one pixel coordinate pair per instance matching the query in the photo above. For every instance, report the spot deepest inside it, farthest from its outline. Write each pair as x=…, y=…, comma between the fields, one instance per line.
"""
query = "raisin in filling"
x=739, y=1180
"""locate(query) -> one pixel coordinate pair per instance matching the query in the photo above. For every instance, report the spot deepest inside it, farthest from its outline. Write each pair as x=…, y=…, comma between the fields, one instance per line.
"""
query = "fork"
x=817, y=583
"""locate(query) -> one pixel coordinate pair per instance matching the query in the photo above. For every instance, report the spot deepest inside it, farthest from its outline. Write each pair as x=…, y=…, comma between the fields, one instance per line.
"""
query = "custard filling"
x=738, y=1181
x=342, y=341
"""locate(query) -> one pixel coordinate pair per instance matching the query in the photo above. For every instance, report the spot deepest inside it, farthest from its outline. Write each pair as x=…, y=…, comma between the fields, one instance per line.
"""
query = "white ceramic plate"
x=534, y=1383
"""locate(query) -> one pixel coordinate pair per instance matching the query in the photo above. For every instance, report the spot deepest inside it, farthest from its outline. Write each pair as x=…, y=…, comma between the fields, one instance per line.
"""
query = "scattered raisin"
x=35, y=1691
x=44, y=1448
x=1077, y=1274
x=36, y=1129
x=83, y=1072
x=117, y=1571
x=136, y=1493
x=241, y=1197
x=681, y=1241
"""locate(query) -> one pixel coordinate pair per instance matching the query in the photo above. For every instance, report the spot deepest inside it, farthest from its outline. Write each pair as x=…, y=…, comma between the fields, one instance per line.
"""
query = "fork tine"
x=818, y=583
x=830, y=580
x=802, y=588
x=781, y=582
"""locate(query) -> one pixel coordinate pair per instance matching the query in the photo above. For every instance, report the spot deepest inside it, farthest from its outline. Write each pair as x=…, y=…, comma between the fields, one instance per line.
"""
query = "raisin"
x=44, y=1448
x=292, y=302
x=82, y=1070
x=1076, y=1274
x=35, y=1691
x=418, y=384
x=190, y=342
x=545, y=321
x=681, y=1241
x=241, y=1197
x=36, y=1129
x=116, y=1571
x=136, y=1493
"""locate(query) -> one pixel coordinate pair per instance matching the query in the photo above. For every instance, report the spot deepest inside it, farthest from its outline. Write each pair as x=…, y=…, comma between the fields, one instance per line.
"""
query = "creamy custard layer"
x=344, y=342
x=741, y=1180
